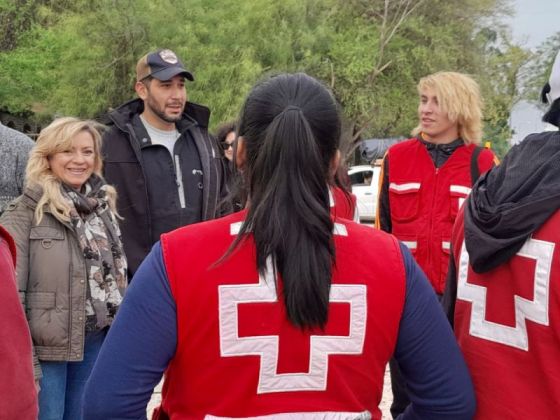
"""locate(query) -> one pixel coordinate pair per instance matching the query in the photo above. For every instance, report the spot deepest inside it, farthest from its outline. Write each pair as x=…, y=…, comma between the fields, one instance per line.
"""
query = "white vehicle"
x=365, y=185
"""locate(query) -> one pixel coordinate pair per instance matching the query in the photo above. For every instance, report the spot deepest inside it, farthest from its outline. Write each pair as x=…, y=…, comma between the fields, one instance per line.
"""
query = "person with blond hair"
x=425, y=180
x=68, y=244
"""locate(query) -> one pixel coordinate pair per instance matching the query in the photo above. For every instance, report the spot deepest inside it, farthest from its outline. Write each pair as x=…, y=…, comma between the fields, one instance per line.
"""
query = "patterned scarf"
x=99, y=237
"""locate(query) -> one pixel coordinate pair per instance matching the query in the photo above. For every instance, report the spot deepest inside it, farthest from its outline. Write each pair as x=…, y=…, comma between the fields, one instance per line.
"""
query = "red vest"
x=507, y=323
x=342, y=204
x=424, y=201
x=238, y=356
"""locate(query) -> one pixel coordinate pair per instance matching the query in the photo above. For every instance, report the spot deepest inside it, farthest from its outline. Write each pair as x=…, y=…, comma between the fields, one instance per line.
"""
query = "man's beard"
x=161, y=114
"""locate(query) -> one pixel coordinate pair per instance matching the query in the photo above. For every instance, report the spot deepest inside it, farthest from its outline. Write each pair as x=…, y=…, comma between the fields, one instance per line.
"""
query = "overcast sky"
x=535, y=20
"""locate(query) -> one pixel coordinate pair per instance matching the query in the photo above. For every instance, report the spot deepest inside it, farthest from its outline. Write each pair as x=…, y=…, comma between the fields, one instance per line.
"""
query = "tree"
x=381, y=49
x=502, y=64
x=81, y=60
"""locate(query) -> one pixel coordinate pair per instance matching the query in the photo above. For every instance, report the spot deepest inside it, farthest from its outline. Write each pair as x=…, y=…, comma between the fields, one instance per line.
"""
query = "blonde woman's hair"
x=56, y=138
x=459, y=96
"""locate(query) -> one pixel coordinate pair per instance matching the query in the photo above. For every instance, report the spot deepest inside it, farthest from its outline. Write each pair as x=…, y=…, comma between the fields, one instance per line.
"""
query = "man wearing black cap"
x=157, y=152
x=503, y=287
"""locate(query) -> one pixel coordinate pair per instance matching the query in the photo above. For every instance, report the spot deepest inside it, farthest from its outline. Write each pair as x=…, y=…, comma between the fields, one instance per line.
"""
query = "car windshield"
x=361, y=178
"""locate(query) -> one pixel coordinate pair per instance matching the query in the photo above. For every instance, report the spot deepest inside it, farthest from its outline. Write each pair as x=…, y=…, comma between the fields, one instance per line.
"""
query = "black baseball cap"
x=162, y=64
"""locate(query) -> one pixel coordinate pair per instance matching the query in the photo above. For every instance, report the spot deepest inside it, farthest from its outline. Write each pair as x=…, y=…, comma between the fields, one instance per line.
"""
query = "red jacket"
x=507, y=323
x=18, y=397
x=424, y=201
x=234, y=339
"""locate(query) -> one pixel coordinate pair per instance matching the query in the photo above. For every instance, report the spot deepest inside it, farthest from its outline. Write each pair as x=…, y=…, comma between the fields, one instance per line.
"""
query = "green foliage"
x=16, y=17
x=502, y=64
x=79, y=57
x=25, y=79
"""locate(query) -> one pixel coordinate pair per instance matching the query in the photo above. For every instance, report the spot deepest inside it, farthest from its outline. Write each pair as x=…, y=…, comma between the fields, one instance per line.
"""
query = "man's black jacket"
x=125, y=167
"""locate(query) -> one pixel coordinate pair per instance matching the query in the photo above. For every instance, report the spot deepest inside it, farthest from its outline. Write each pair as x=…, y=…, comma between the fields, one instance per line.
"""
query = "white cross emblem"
x=535, y=310
x=267, y=347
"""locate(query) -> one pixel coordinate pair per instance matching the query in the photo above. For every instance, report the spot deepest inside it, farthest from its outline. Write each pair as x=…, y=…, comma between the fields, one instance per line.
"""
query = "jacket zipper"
x=431, y=227
x=179, y=181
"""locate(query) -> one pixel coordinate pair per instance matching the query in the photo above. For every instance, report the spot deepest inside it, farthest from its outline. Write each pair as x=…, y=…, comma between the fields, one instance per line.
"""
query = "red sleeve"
x=486, y=160
x=18, y=397
x=11, y=244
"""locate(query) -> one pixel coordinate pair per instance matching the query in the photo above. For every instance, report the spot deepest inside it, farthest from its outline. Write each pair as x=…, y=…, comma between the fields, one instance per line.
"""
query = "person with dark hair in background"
x=18, y=395
x=425, y=180
x=280, y=310
x=503, y=286
x=157, y=153
x=225, y=136
x=14, y=152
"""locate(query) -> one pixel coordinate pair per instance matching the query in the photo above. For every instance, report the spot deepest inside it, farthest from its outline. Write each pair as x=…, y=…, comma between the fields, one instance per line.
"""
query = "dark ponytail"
x=291, y=128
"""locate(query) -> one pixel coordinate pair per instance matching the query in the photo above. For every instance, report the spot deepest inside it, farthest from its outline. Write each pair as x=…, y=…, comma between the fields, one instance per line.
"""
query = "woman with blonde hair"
x=69, y=257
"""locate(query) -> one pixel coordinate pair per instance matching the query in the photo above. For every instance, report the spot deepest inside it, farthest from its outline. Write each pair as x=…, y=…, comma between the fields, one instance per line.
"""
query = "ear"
x=335, y=163
x=240, y=153
x=141, y=90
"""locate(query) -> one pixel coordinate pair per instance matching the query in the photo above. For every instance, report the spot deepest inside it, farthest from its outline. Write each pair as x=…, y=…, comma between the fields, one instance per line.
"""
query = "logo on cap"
x=168, y=56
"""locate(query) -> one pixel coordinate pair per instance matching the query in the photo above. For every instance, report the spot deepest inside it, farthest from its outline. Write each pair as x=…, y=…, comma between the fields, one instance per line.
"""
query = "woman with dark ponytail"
x=281, y=310
x=286, y=170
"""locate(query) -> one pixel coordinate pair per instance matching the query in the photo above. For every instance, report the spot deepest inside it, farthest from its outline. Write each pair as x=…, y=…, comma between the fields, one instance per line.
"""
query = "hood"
x=123, y=115
x=513, y=200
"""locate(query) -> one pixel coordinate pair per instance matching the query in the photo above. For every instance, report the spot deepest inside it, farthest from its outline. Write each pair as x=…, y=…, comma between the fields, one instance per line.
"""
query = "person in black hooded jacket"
x=503, y=286
x=158, y=154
